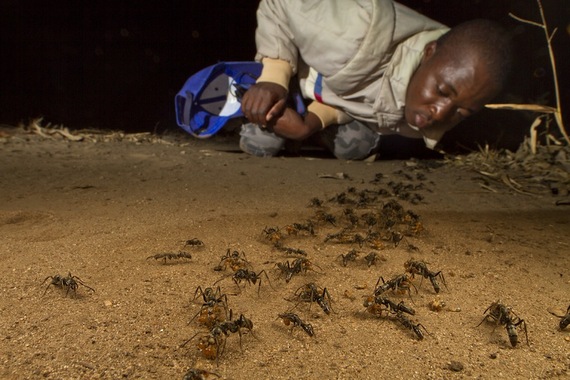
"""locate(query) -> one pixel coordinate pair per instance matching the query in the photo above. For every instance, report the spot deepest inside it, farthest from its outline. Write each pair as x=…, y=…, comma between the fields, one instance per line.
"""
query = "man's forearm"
x=293, y=126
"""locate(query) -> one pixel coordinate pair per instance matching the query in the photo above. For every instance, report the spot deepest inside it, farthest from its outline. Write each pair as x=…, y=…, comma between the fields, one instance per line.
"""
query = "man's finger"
x=276, y=110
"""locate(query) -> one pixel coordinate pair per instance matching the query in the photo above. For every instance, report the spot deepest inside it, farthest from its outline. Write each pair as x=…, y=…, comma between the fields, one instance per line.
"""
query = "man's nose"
x=442, y=111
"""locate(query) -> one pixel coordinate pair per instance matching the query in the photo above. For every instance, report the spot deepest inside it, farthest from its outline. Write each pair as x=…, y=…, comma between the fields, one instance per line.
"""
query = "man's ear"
x=429, y=50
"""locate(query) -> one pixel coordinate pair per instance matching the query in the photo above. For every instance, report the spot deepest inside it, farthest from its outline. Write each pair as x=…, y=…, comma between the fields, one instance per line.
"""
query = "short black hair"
x=490, y=39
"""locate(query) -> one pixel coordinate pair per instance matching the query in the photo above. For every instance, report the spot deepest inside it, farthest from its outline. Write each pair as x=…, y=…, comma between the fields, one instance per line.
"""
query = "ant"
x=407, y=323
x=420, y=267
x=326, y=217
x=291, y=251
x=210, y=312
x=371, y=259
x=373, y=305
x=397, y=283
x=370, y=219
x=296, y=228
x=194, y=242
x=294, y=320
x=69, y=283
x=565, y=318
x=273, y=234
x=316, y=202
x=351, y=216
x=247, y=275
x=213, y=344
x=504, y=315
x=171, y=256
x=374, y=240
x=233, y=259
x=350, y=256
x=343, y=237
x=198, y=374
x=395, y=237
x=297, y=266
x=310, y=293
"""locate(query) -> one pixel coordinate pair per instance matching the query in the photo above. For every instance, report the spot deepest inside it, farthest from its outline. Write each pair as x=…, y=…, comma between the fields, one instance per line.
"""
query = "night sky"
x=118, y=64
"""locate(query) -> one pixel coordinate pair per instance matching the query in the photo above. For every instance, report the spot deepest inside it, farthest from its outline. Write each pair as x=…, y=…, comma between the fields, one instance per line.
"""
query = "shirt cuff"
x=276, y=71
x=327, y=114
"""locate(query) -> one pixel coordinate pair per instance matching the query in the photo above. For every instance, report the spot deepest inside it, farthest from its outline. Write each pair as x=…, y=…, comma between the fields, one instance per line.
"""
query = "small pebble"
x=455, y=366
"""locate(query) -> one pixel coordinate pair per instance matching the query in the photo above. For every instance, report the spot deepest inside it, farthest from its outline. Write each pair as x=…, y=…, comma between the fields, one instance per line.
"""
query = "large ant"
x=294, y=320
x=291, y=251
x=371, y=259
x=407, y=323
x=297, y=266
x=210, y=312
x=194, y=242
x=398, y=283
x=565, y=321
x=350, y=256
x=213, y=344
x=171, y=256
x=345, y=237
x=296, y=228
x=247, y=275
x=312, y=293
x=377, y=304
x=564, y=318
x=68, y=283
x=420, y=267
x=504, y=315
x=233, y=259
x=273, y=235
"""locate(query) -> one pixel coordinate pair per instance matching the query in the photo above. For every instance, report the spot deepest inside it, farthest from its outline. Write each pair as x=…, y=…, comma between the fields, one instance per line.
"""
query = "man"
x=371, y=68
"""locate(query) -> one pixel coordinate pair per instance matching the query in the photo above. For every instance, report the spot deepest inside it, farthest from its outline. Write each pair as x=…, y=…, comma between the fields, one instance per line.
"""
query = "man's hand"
x=293, y=126
x=264, y=102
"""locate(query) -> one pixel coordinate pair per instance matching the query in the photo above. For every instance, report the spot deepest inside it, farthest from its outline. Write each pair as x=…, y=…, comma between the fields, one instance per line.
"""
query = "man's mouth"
x=421, y=121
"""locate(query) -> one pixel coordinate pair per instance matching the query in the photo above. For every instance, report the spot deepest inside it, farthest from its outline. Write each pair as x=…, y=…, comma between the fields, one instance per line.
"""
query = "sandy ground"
x=99, y=210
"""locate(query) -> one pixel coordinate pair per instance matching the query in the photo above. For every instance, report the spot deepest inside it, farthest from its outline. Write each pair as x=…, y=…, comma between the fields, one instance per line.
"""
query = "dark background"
x=118, y=64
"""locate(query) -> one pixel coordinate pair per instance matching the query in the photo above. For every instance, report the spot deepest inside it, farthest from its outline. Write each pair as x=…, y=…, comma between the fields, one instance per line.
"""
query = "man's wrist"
x=276, y=71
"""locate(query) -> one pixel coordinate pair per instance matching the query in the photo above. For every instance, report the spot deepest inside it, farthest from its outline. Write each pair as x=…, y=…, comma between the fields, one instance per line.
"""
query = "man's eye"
x=441, y=92
x=461, y=114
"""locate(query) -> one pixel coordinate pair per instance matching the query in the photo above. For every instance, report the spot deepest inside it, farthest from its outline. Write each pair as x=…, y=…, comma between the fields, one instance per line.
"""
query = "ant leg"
x=187, y=341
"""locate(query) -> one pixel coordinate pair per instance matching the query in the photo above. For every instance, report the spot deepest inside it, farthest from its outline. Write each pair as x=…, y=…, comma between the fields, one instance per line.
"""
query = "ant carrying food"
x=273, y=234
x=295, y=321
x=214, y=308
x=377, y=304
x=234, y=260
x=398, y=283
x=213, y=344
x=311, y=292
x=420, y=267
x=296, y=228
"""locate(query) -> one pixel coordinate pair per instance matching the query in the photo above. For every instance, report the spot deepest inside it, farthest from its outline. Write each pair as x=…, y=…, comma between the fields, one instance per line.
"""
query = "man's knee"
x=259, y=142
x=352, y=141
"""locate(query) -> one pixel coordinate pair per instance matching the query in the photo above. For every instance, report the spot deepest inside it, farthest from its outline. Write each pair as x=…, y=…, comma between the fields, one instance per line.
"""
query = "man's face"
x=446, y=88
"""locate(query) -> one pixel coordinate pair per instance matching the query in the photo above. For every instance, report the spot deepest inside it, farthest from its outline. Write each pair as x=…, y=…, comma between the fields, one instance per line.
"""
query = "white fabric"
x=366, y=51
